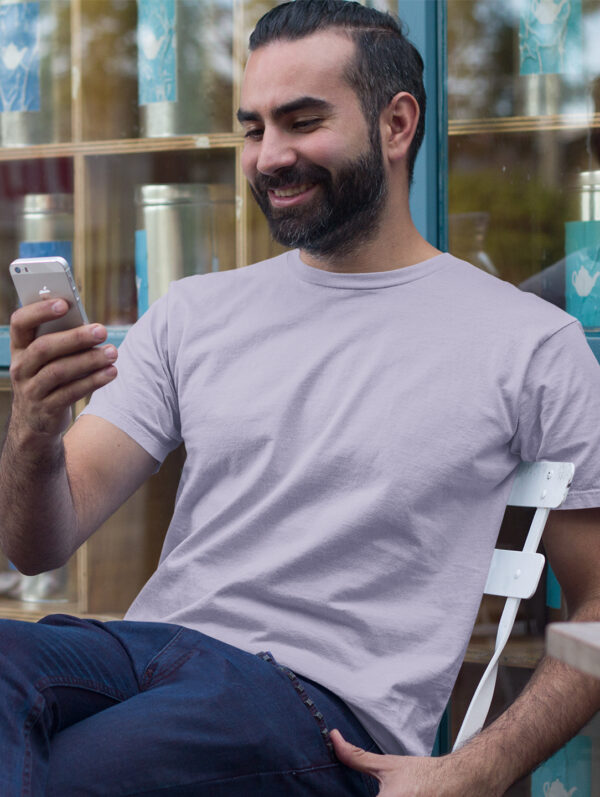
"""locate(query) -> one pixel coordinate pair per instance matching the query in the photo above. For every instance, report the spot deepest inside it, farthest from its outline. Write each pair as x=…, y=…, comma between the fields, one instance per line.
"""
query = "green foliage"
x=526, y=217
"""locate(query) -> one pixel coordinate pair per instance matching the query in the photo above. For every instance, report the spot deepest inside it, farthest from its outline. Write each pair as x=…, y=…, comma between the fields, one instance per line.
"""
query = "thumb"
x=355, y=757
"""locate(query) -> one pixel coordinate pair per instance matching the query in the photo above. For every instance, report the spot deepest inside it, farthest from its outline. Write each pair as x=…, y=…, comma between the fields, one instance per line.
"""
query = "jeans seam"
x=308, y=702
x=150, y=669
x=32, y=718
x=79, y=683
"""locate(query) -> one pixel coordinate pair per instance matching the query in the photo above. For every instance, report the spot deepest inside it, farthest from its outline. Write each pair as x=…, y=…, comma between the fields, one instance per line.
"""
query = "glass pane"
x=163, y=68
x=523, y=94
x=524, y=189
x=152, y=218
x=36, y=207
x=35, y=72
x=119, y=150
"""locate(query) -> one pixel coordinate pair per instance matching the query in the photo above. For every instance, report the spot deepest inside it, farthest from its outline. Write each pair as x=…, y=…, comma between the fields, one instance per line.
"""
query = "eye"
x=253, y=133
x=306, y=124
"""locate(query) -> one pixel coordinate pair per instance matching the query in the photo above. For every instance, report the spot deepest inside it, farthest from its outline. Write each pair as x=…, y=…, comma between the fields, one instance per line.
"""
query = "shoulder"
x=199, y=305
x=221, y=283
x=497, y=304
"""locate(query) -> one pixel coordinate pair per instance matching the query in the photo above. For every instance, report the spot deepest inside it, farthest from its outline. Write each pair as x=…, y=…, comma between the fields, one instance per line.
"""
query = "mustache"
x=294, y=175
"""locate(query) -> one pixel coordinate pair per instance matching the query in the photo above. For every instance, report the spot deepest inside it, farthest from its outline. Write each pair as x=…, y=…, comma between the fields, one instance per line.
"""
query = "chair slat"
x=541, y=484
x=514, y=574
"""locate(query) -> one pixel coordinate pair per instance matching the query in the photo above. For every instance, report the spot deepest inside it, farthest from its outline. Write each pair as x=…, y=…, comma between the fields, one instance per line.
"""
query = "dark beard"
x=345, y=214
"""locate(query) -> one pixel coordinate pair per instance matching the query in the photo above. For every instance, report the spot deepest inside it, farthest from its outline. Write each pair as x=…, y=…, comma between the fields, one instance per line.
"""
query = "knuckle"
x=82, y=335
x=74, y=391
x=61, y=400
x=15, y=368
x=69, y=397
x=15, y=318
x=54, y=373
x=41, y=347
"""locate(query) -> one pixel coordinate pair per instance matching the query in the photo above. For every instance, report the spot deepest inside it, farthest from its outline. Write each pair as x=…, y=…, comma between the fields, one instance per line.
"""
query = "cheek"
x=333, y=150
x=248, y=162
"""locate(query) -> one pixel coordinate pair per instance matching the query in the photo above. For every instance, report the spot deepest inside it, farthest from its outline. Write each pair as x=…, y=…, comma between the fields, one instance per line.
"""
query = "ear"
x=399, y=121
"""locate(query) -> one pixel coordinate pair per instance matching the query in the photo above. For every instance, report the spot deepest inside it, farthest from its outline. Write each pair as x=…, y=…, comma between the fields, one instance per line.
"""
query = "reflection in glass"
x=35, y=72
x=523, y=99
x=184, y=66
x=182, y=229
x=467, y=239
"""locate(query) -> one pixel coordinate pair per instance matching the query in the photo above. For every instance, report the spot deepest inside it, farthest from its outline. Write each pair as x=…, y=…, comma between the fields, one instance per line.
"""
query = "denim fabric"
x=124, y=708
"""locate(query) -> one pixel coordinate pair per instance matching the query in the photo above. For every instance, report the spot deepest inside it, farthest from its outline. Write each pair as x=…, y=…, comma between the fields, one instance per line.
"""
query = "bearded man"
x=353, y=413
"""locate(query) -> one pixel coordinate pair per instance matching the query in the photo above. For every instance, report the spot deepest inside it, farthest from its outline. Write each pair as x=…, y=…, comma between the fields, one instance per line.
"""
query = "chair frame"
x=515, y=574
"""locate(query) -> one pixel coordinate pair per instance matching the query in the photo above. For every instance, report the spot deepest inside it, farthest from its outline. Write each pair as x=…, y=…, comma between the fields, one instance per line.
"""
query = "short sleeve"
x=142, y=400
x=559, y=412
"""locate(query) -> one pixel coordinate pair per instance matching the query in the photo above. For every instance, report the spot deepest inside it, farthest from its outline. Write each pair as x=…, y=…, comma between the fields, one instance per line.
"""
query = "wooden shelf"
x=35, y=610
x=523, y=124
x=123, y=146
x=32, y=612
x=100, y=158
x=523, y=652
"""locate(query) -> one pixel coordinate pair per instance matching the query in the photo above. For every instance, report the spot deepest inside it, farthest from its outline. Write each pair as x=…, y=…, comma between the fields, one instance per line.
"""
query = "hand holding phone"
x=42, y=394
x=42, y=278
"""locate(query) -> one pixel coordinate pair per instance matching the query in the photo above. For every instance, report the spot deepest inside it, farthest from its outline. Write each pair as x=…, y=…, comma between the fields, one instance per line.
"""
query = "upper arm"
x=104, y=466
x=572, y=543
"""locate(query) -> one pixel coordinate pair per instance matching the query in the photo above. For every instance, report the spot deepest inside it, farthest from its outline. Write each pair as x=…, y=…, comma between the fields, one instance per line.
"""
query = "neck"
x=396, y=245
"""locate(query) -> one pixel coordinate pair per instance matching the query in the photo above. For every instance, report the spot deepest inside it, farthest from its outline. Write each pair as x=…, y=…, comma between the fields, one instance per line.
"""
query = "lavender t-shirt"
x=351, y=441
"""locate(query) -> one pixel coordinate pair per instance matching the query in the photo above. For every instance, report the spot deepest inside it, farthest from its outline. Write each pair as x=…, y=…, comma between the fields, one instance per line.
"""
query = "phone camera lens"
x=18, y=269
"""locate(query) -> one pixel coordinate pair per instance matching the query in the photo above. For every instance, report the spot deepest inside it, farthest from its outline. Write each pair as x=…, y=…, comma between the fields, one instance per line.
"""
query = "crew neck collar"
x=364, y=280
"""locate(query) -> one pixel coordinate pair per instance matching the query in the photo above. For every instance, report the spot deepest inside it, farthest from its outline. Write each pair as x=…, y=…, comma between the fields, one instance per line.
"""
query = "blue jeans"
x=125, y=708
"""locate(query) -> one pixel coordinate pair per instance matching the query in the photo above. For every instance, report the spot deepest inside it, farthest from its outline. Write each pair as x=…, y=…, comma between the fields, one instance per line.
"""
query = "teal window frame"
x=425, y=22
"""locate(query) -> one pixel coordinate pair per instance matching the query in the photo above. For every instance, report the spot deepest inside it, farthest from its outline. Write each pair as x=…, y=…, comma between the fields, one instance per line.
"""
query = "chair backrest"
x=515, y=574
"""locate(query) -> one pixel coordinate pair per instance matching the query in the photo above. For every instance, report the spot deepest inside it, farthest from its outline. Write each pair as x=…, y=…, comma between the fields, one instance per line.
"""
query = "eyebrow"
x=302, y=103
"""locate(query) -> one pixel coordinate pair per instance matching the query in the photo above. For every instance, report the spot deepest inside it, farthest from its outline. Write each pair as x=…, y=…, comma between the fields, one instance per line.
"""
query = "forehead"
x=283, y=70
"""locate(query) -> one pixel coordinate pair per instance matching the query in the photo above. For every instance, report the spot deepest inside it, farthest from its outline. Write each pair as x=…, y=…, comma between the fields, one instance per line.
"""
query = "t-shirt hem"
x=581, y=499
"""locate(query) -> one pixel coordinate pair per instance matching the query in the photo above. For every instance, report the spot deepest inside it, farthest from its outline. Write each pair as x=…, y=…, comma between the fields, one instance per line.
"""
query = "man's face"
x=313, y=165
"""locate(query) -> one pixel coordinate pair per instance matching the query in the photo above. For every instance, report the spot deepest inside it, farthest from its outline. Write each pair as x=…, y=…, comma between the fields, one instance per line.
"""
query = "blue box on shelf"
x=116, y=334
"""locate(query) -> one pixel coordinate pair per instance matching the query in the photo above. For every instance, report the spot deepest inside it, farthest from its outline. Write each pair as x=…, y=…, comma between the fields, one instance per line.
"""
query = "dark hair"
x=385, y=63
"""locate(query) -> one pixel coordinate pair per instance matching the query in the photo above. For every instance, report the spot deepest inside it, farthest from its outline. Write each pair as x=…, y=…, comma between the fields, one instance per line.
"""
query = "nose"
x=276, y=151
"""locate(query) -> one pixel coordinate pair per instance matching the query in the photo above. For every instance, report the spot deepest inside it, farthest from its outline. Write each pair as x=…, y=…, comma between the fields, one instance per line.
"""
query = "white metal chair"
x=515, y=574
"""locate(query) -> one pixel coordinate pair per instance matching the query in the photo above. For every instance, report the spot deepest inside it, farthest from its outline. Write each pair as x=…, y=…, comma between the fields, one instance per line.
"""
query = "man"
x=353, y=415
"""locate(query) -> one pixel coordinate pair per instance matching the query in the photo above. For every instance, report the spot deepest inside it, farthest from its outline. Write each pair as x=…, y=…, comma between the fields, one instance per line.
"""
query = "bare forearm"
x=557, y=702
x=553, y=707
x=39, y=526
x=39, y=523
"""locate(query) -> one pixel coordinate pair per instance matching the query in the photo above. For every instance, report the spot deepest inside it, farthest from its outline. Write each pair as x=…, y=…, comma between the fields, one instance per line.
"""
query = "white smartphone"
x=40, y=278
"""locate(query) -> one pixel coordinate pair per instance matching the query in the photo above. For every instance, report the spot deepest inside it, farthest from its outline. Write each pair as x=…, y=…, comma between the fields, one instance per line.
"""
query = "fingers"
x=38, y=352
x=26, y=320
x=61, y=371
x=356, y=757
x=46, y=410
x=68, y=393
x=51, y=372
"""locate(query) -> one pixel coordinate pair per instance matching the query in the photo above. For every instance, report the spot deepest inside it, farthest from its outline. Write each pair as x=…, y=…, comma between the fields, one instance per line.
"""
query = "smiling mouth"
x=291, y=191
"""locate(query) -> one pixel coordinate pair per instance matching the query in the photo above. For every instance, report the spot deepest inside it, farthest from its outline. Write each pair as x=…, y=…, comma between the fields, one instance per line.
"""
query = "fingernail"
x=110, y=353
x=99, y=333
x=59, y=306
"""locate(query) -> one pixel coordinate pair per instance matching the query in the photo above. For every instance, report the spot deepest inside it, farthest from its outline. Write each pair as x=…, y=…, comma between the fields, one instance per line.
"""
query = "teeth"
x=299, y=189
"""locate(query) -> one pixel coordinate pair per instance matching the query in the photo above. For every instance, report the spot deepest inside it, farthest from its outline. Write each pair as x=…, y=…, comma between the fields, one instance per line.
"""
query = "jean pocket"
x=306, y=699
